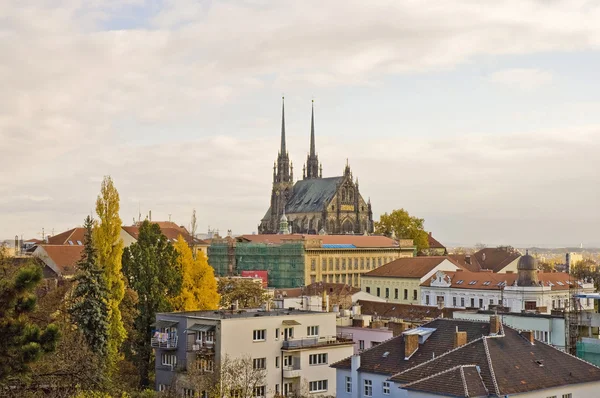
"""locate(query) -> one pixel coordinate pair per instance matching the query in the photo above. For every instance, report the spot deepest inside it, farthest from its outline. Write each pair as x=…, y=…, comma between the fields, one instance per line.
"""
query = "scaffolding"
x=572, y=317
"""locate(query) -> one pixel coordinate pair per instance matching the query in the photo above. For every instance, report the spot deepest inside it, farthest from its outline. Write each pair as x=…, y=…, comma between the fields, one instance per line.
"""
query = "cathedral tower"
x=312, y=161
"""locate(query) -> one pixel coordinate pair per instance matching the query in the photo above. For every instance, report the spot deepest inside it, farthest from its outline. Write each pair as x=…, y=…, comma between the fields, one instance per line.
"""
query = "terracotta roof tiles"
x=409, y=267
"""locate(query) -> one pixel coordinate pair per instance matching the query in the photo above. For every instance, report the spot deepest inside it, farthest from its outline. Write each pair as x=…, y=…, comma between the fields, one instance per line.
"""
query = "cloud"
x=522, y=78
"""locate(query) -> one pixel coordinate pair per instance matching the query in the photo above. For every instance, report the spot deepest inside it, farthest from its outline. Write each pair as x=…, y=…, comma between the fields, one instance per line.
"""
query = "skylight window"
x=560, y=283
x=486, y=283
x=472, y=282
x=79, y=243
x=385, y=354
x=459, y=282
x=71, y=242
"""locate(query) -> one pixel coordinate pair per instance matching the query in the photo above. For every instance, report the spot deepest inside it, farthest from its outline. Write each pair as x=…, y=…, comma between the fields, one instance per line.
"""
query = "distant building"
x=296, y=260
x=458, y=358
x=294, y=347
x=435, y=248
x=528, y=289
x=499, y=259
x=60, y=260
x=399, y=281
x=314, y=204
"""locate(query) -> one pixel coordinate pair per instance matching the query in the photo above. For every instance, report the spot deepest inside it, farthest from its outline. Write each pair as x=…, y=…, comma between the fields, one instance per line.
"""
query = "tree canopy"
x=247, y=293
x=403, y=226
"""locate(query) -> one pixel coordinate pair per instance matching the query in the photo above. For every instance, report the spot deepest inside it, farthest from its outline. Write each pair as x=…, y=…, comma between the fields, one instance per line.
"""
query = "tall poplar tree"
x=199, y=286
x=106, y=236
x=89, y=309
x=150, y=265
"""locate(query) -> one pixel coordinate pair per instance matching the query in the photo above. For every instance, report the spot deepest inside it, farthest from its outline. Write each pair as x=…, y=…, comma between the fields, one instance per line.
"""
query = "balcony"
x=320, y=341
x=160, y=341
x=201, y=347
x=290, y=372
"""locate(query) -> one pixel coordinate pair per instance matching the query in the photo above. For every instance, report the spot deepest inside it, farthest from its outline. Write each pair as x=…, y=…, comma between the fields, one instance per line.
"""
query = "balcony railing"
x=201, y=346
x=162, y=342
x=292, y=371
x=308, y=342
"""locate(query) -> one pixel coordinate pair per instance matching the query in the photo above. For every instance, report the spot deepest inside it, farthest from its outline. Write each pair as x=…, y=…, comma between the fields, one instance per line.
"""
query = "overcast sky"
x=483, y=117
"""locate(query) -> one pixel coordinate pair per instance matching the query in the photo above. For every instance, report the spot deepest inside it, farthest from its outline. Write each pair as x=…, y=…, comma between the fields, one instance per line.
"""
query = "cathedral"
x=314, y=205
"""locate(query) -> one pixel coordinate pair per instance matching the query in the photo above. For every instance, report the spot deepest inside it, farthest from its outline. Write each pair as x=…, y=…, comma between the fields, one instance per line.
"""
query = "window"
x=361, y=345
x=277, y=331
x=330, y=264
x=169, y=360
x=206, y=365
x=415, y=294
x=387, y=292
x=472, y=302
x=324, y=264
x=368, y=388
x=426, y=299
x=368, y=289
x=343, y=263
x=348, y=384
x=480, y=303
x=337, y=263
x=259, y=335
x=362, y=263
x=313, y=264
x=462, y=301
x=162, y=387
x=259, y=391
x=386, y=388
x=378, y=292
x=317, y=386
x=287, y=360
x=569, y=395
x=288, y=333
x=188, y=392
x=317, y=359
x=312, y=331
x=276, y=389
x=277, y=362
x=355, y=263
x=405, y=294
x=375, y=343
x=454, y=301
x=530, y=305
x=396, y=294
x=259, y=363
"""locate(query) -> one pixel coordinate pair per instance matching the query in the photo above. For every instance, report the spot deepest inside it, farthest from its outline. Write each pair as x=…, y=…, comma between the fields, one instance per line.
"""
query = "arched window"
x=343, y=194
x=350, y=195
x=347, y=226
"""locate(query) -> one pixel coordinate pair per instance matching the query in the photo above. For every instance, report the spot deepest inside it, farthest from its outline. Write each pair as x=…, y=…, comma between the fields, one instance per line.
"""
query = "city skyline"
x=481, y=120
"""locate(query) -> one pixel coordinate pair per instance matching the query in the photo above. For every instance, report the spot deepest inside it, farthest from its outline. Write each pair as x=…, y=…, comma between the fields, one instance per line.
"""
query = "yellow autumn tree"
x=109, y=246
x=199, y=286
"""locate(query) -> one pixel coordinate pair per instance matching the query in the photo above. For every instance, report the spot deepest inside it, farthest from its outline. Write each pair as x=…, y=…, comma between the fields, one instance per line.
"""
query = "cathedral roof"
x=311, y=195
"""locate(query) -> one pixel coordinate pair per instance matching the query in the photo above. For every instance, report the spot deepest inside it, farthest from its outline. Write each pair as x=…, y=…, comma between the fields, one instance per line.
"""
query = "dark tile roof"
x=460, y=381
x=494, y=258
x=433, y=243
x=517, y=366
x=440, y=341
x=407, y=312
x=408, y=267
x=311, y=195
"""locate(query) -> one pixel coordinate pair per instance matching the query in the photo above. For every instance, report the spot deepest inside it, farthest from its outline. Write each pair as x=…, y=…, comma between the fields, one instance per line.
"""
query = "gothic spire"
x=312, y=130
x=312, y=160
x=283, y=149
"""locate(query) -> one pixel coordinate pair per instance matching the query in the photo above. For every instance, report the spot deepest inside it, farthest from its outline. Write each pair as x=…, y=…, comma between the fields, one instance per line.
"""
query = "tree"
x=199, y=286
x=22, y=341
x=109, y=246
x=403, y=226
x=89, y=309
x=247, y=293
x=150, y=266
x=193, y=224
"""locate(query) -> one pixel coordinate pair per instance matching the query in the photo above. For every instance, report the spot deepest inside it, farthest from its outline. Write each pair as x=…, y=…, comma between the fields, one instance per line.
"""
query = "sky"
x=482, y=117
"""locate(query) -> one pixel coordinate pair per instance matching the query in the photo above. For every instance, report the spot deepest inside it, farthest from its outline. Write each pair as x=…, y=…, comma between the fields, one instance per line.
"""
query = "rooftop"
x=409, y=267
x=326, y=241
x=246, y=313
x=406, y=312
x=65, y=257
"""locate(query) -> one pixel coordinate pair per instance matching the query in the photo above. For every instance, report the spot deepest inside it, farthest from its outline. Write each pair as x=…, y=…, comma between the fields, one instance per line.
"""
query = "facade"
x=399, y=281
x=314, y=204
x=294, y=347
x=366, y=337
x=528, y=289
x=296, y=260
x=457, y=358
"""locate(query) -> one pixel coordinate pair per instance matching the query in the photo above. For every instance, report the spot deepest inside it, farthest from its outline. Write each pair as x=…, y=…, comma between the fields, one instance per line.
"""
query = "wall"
x=367, y=335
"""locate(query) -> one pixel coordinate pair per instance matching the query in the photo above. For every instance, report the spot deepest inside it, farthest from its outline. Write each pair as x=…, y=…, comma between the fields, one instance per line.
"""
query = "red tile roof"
x=360, y=241
x=556, y=280
x=409, y=267
x=74, y=235
x=170, y=230
x=64, y=256
x=433, y=243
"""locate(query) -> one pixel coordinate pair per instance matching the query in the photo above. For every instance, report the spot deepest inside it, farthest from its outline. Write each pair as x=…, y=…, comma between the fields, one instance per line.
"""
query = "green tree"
x=199, y=286
x=247, y=293
x=89, y=309
x=22, y=342
x=109, y=246
x=403, y=226
x=150, y=266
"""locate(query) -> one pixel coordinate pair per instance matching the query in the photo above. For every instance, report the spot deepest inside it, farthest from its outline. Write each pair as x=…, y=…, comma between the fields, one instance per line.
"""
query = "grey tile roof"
x=310, y=196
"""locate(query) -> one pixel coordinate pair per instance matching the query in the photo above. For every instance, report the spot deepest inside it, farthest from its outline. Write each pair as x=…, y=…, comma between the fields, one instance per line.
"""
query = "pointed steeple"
x=312, y=160
x=283, y=149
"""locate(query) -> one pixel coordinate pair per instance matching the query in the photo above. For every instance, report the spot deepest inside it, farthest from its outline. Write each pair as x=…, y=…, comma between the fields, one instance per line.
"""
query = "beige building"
x=294, y=347
x=400, y=281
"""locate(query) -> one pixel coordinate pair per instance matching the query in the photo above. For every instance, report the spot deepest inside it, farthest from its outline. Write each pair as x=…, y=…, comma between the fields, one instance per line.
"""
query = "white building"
x=527, y=289
x=294, y=347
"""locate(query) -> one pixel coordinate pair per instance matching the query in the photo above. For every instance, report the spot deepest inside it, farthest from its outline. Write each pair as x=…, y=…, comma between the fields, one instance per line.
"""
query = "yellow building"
x=339, y=258
x=400, y=281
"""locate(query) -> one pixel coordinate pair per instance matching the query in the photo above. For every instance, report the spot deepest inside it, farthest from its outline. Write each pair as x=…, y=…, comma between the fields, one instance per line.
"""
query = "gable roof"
x=508, y=364
x=460, y=381
x=309, y=196
x=408, y=267
x=494, y=258
x=441, y=340
x=491, y=280
x=433, y=243
x=170, y=230
x=75, y=235
x=407, y=312
x=63, y=258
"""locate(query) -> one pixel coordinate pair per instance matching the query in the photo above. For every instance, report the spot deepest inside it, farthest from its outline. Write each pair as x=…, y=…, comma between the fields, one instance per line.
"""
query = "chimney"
x=529, y=336
x=411, y=344
x=494, y=324
x=460, y=338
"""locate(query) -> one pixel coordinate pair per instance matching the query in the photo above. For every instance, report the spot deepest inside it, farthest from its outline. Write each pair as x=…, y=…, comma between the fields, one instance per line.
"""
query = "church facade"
x=314, y=204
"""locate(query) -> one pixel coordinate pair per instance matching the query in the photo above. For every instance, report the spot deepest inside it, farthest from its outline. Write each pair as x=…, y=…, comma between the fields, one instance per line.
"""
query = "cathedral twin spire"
x=283, y=172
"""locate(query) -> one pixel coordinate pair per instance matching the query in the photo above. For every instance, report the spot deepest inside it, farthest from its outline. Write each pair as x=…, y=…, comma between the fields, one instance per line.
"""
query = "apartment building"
x=294, y=347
